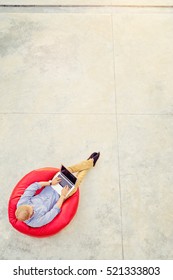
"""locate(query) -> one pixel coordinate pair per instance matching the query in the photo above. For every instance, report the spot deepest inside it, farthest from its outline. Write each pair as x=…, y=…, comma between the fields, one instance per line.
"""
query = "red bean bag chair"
x=68, y=209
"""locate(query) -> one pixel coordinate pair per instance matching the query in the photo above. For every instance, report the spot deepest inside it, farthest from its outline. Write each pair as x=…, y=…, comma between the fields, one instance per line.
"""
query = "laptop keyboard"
x=63, y=182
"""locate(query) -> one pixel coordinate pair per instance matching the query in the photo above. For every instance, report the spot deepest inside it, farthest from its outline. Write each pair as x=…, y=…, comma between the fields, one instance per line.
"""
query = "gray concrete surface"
x=74, y=83
x=131, y=3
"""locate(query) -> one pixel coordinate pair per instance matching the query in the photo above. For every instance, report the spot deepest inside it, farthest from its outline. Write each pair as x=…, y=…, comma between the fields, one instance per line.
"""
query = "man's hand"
x=56, y=180
x=64, y=191
x=63, y=196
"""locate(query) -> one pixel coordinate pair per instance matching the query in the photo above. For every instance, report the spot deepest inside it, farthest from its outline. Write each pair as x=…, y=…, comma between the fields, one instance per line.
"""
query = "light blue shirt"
x=44, y=204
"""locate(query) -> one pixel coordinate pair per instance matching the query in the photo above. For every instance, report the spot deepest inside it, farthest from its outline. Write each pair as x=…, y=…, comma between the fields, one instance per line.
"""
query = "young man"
x=39, y=210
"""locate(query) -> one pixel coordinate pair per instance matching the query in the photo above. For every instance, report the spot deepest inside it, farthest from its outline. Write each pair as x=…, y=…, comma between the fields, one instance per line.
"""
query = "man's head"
x=24, y=212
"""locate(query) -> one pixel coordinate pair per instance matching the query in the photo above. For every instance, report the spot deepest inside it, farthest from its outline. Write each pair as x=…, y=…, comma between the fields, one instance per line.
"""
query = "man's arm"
x=49, y=216
x=44, y=184
x=45, y=219
x=63, y=196
x=29, y=192
x=48, y=183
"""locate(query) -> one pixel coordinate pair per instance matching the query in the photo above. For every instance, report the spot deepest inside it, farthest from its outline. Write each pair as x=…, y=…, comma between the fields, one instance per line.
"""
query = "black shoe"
x=92, y=155
x=95, y=158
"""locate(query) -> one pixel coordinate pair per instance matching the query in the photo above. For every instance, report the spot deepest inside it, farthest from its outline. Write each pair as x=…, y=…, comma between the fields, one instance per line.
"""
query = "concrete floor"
x=74, y=82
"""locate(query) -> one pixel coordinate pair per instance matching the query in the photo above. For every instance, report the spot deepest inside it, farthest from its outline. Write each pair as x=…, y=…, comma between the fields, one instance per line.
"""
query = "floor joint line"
x=117, y=138
x=84, y=6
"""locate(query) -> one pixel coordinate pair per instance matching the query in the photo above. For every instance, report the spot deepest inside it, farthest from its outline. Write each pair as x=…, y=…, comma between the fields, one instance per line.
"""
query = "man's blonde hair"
x=22, y=213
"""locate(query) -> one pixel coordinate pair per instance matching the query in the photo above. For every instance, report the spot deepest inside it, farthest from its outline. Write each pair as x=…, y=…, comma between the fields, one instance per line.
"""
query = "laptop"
x=67, y=179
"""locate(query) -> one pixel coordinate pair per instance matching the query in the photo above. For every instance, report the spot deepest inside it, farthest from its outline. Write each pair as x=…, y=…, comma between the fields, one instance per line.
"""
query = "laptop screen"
x=69, y=176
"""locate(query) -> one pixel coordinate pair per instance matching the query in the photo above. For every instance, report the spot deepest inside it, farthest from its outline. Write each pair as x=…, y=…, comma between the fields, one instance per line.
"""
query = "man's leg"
x=82, y=169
